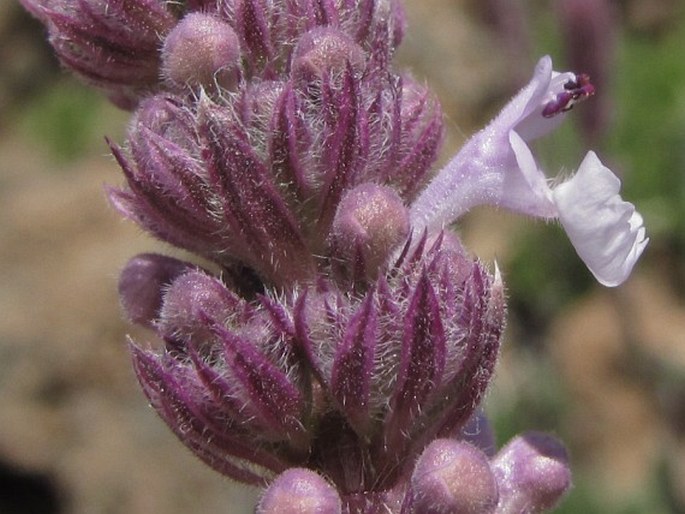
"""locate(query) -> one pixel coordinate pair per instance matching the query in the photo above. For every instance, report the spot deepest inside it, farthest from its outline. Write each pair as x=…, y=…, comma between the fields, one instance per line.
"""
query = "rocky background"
x=604, y=369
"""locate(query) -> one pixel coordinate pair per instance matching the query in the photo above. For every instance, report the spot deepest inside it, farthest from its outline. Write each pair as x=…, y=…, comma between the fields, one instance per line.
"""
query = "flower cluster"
x=338, y=342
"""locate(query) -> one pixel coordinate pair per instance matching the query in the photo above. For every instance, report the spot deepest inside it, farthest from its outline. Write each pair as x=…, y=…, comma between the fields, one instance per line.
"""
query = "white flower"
x=496, y=167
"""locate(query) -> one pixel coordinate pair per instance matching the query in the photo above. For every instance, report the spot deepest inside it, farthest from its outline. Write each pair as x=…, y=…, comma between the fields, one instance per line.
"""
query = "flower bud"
x=167, y=185
x=370, y=222
x=324, y=52
x=532, y=473
x=110, y=43
x=187, y=304
x=202, y=51
x=300, y=491
x=142, y=283
x=453, y=477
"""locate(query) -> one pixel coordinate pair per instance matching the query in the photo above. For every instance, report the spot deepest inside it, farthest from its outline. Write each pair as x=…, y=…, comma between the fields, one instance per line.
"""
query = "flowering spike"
x=274, y=139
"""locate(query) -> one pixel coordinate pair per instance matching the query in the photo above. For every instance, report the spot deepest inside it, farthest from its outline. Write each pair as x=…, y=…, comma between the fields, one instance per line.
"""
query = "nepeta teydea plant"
x=337, y=346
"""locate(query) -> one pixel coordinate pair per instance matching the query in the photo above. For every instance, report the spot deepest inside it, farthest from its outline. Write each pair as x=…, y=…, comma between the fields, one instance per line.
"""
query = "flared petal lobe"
x=607, y=232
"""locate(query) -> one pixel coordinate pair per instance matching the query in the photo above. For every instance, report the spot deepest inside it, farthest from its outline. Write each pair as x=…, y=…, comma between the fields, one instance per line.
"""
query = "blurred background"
x=603, y=369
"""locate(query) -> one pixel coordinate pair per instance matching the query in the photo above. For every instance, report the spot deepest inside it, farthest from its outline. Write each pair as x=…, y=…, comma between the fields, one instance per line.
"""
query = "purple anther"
x=575, y=90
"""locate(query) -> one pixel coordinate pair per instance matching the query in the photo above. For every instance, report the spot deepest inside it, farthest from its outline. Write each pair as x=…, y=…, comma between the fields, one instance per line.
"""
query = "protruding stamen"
x=575, y=90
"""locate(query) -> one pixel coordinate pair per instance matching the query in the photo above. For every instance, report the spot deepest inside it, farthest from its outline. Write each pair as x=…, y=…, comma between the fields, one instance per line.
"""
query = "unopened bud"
x=188, y=303
x=453, y=477
x=532, y=473
x=300, y=491
x=325, y=52
x=370, y=222
x=202, y=51
x=143, y=282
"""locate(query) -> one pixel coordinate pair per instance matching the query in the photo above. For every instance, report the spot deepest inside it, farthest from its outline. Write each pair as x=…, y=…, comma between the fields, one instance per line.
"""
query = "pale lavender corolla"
x=496, y=167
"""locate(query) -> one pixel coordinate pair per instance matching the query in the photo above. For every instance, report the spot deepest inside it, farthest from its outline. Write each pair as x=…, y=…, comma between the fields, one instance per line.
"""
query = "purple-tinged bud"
x=142, y=283
x=300, y=491
x=202, y=51
x=111, y=43
x=453, y=477
x=532, y=474
x=371, y=221
x=260, y=226
x=206, y=426
x=187, y=304
x=167, y=193
x=325, y=52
